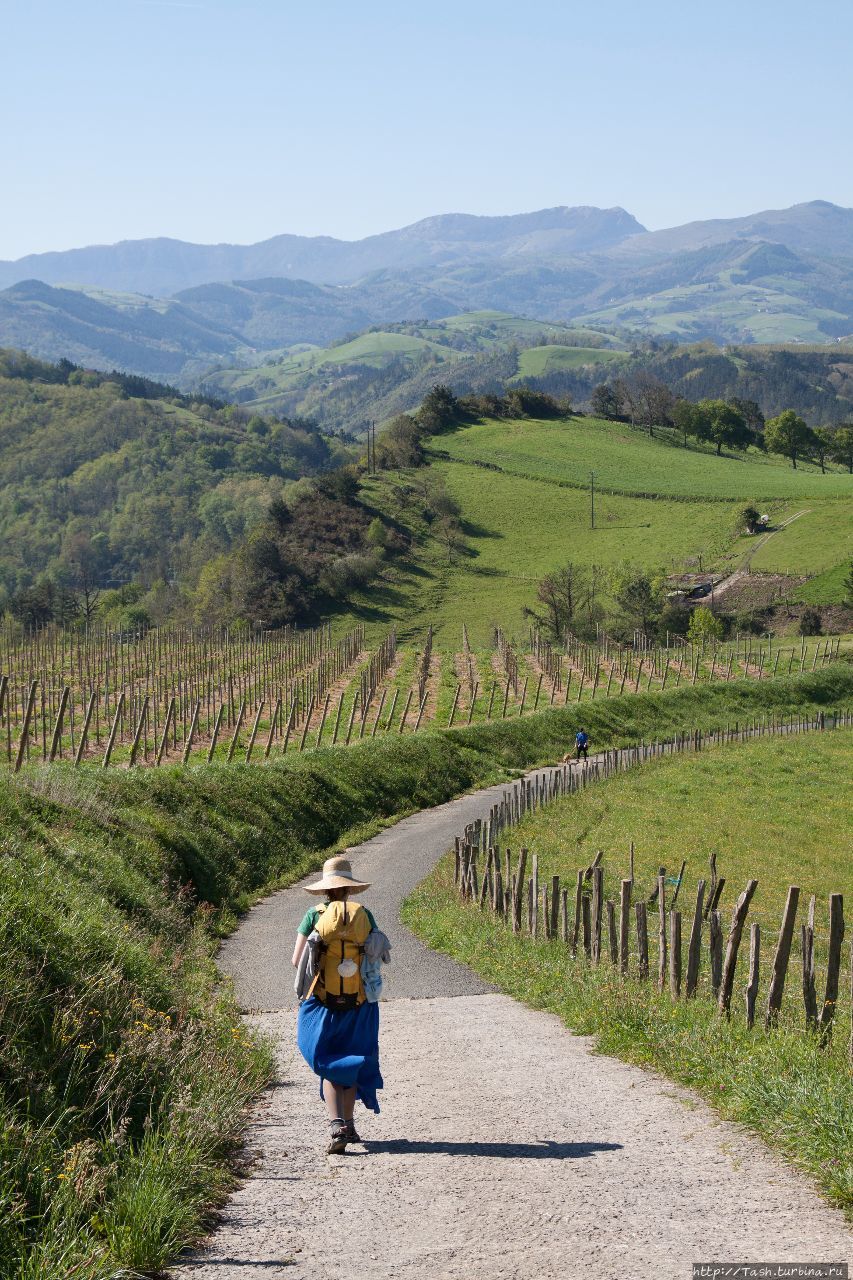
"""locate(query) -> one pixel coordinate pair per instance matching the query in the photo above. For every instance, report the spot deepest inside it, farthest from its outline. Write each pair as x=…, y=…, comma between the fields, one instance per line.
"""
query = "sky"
x=236, y=120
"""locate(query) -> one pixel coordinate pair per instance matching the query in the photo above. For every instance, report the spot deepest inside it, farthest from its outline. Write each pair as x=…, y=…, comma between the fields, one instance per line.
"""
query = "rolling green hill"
x=626, y=460
x=522, y=488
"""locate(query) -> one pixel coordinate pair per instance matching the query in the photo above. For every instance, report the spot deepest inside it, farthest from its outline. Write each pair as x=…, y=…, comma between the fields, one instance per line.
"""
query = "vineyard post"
x=217, y=725
x=188, y=746
x=28, y=713
x=143, y=715
x=57, y=729
x=273, y=722
x=113, y=730
x=237, y=727
x=84, y=732
x=473, y=701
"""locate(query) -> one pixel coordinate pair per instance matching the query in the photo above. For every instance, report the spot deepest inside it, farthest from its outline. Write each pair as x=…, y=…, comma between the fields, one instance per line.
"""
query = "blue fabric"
x=342, y=1047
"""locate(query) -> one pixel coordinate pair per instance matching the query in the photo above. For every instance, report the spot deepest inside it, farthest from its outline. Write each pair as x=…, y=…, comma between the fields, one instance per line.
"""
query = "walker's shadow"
x=504, y=1150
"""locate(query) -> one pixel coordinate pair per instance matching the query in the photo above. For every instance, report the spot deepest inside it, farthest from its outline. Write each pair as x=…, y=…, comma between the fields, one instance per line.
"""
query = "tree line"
x=646, y=401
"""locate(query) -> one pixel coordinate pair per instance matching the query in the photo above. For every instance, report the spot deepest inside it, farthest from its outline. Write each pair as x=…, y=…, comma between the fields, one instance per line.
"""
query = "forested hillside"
x=111, y=481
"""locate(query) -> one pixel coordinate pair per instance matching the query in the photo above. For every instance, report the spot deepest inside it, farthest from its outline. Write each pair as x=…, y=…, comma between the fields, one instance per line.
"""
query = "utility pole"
x=592, y=499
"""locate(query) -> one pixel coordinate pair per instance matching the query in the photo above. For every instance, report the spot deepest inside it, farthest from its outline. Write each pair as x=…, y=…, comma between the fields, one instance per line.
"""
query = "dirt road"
x=506, y=1147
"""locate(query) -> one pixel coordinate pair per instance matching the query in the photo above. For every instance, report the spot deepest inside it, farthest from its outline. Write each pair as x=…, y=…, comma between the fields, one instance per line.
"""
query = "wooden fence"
x=602, y=930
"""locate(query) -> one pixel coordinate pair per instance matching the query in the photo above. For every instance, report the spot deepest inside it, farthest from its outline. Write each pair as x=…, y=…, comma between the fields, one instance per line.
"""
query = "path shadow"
x=503, y=1150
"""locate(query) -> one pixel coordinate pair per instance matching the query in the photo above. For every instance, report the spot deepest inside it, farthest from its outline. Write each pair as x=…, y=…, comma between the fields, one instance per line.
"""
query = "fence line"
x=544, y=911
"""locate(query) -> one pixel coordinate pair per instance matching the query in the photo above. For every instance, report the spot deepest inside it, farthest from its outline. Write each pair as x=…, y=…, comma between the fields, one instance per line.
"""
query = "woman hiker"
x=337, y=955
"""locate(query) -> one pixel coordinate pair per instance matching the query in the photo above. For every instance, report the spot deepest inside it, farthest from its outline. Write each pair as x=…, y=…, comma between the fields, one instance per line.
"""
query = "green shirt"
x=309, y=920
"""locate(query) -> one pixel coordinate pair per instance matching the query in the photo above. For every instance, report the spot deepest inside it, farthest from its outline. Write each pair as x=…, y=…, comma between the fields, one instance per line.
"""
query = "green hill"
x=523, y=491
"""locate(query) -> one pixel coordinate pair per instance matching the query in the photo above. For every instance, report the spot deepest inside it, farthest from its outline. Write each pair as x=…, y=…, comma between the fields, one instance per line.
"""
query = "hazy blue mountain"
x=162, y=266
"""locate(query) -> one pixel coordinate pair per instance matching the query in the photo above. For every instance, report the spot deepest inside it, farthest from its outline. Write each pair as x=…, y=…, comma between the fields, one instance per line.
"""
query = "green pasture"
x=819, y=539
x=786, y=820
x=537, y=361
x=515, y=531
x=628, y=460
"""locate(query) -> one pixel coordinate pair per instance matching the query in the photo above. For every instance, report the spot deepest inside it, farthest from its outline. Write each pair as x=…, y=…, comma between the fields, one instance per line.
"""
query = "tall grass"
x=124, y=1070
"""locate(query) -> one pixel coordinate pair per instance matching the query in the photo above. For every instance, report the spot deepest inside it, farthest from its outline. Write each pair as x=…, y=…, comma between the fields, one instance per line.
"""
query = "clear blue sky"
x=235, y=120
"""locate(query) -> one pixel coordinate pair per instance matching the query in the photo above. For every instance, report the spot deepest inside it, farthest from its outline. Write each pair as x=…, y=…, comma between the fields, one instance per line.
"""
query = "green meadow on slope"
x=627, y=460
x=533, y=514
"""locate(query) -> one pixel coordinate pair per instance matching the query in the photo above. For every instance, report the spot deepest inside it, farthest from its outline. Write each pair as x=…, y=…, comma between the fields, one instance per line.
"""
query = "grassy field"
x=537, y=361
x=626, y=460
x=783, y=821
x=532, y=515
x=820, y=539
x=506, y=552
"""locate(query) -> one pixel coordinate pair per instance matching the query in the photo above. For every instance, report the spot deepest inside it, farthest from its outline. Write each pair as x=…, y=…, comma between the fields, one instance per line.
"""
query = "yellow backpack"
x=343, y=927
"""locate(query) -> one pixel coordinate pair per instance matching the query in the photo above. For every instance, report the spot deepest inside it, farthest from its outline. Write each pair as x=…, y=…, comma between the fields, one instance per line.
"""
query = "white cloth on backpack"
x=308, y=967
x=377, y=951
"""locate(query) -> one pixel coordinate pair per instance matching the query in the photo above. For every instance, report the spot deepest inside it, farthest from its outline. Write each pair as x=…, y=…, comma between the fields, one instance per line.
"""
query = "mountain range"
x=172, y=309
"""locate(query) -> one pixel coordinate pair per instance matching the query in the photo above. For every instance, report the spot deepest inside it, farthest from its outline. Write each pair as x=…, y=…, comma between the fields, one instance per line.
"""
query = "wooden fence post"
x=642, y=939
x=25, y=729
x=596, y=912
x=694, y=948
x=833, y=964
x=780, y=960
x=60, y=717
x=754, y=960
x=578, y=913
x=733, y=945
x=661, y=896
x=675, y=953
x=715, y=947
x=624, y=924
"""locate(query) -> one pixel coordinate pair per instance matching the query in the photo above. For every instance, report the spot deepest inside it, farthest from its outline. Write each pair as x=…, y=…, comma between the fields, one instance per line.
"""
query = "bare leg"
x=340, y=1102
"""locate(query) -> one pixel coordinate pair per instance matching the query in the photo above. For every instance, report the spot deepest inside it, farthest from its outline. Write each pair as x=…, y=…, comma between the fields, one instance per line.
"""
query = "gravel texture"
x=506, y=1147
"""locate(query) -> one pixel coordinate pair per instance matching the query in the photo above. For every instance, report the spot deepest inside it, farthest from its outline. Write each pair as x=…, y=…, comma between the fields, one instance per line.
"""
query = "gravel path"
x=505, y=1148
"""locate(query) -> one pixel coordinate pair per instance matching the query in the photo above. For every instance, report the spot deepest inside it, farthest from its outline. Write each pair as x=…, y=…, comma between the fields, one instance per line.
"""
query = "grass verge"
x=124, y=1071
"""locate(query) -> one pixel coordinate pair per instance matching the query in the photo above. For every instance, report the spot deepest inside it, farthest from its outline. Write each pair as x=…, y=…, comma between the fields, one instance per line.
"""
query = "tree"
x=726, y=427
x=788, y=435
x=823, y=441
x=748, y=519
x=848, y=587
x=811, y=623
x=85, y=560
x=565, y=593
x=691, y=420
x=704, y=626
x=842, y=447
x=604, y=401
x=750, y=411
x=440, y=409
x=639, y=602
x=400, y=444
x=652, y=400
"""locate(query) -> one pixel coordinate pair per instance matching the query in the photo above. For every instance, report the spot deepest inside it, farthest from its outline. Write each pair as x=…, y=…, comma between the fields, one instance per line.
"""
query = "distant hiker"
x=582, y=744
x=337, y=956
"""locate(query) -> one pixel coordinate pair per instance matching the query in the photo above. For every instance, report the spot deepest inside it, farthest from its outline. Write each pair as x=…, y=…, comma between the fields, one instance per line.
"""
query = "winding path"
x=506, y=1147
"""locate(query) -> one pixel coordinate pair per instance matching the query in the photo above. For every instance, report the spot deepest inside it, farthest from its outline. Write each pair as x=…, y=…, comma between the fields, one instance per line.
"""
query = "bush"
x=811, y=623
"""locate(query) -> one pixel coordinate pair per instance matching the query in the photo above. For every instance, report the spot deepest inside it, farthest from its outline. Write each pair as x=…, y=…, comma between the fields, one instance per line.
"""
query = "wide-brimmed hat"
x=337, y=874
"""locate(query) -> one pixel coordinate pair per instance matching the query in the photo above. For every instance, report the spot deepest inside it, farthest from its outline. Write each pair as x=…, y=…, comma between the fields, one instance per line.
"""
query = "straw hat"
x=337, y=874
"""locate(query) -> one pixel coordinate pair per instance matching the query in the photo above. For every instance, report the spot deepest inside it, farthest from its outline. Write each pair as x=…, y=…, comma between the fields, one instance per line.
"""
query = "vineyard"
x=169, y=694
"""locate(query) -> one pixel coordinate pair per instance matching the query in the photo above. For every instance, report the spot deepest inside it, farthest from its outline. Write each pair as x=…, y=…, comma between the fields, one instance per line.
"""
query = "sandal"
x=352, y=1136
x=340, y=1137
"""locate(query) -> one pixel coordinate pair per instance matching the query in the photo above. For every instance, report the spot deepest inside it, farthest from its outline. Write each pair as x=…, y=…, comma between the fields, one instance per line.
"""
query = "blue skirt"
x=342, y=1047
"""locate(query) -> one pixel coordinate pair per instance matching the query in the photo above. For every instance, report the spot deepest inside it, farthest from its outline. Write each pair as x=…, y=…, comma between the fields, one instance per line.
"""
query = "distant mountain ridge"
x=173, y=310
x=163, y=266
